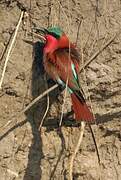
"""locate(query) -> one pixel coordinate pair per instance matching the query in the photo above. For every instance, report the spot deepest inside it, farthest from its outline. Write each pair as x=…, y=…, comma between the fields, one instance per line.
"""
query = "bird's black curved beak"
x=41, y=32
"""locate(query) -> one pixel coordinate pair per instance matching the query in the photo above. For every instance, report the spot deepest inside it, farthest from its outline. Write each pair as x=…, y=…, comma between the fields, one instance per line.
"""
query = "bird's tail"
x=81, y=110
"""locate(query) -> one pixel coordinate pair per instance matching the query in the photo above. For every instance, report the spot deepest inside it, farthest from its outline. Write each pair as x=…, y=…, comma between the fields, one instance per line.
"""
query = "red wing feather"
x=58, y=65
x=81, y=110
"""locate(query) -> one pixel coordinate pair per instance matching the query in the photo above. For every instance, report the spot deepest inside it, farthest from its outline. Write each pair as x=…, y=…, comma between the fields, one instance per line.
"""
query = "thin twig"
x=69, y=61
x=47, y=108
x=99, y=51
x=45, y=114
x=5, y=48
x=76, y=150
x=63, y=12
x=39, y=97
x=93, y=137
x=31, y=104
x=91, y=130
x=10, y=48
x=63, y=106
x=80, y=22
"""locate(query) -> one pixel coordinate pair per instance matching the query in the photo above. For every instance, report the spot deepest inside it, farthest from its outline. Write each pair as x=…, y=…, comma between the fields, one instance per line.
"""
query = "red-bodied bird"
x=61, y=62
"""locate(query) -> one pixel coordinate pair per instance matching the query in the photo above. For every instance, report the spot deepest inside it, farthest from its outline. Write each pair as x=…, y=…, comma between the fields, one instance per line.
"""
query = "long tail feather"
x=81, y=109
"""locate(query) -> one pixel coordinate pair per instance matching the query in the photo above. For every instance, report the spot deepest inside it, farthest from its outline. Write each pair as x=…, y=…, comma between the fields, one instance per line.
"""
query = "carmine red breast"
x=51, y=44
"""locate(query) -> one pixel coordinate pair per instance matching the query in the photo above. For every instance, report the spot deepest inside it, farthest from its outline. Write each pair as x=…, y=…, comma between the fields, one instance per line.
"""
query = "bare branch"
x=10, y=48
x=76, y=150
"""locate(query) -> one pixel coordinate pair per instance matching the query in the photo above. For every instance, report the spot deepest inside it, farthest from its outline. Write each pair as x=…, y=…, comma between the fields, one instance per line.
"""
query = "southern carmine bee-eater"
x=61, y=63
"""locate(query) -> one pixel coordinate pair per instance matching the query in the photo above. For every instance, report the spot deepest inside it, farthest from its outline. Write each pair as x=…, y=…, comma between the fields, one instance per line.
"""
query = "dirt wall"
x=26, y=153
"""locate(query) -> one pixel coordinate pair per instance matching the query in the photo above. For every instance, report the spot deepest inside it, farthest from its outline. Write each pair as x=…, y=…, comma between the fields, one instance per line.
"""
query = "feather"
x=59, y=65
x=81, y=109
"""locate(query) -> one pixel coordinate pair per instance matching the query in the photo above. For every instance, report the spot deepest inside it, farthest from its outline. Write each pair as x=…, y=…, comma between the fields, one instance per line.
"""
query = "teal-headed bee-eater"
x=61, y=62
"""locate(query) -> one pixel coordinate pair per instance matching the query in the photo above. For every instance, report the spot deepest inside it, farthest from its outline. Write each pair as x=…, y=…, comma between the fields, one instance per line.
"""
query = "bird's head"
x=54, y=38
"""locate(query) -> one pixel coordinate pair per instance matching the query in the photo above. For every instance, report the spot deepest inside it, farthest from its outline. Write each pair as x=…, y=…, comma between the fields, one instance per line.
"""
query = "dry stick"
x=91, y=130
x=47, y=108
x=80, y=137
x=63, y=106
x=38, y=98
x=90, y=30
x=93, y=137
x=76, y=149
x=80, y=22
x=31, y=104
x=10, y=48
x=63, y=11
x=66, y=87
x=56, y=85
x=5, y=48
x=99, y=51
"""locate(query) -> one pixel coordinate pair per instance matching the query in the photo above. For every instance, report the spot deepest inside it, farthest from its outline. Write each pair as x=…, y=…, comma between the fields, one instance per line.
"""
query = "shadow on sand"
x=35, y=114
